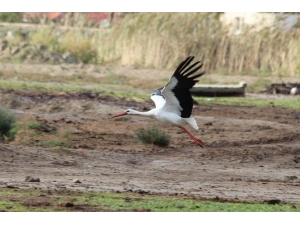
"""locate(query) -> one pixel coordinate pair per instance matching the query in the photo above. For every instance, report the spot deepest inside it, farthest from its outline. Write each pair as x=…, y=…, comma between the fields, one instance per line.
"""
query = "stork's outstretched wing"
x=177, y=91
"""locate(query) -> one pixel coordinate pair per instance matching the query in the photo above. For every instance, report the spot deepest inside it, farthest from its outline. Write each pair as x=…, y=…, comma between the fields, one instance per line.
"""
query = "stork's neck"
x=148, y=113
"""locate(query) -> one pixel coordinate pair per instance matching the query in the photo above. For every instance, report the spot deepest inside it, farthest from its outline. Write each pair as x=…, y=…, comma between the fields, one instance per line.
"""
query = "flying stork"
x=174, y=102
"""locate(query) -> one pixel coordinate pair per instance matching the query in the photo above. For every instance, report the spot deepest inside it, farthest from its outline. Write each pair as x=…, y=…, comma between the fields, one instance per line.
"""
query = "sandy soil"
x=250, y=153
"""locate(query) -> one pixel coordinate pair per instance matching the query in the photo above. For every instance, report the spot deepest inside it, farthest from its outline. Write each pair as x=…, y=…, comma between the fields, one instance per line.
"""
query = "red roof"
x=98, y=16
x=54, y=15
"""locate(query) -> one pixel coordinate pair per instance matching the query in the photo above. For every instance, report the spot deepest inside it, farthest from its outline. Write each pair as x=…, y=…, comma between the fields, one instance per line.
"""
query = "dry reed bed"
x=162, y=40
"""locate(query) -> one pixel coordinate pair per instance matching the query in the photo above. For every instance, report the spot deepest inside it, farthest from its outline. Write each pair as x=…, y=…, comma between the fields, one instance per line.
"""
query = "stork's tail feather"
x=192, y=122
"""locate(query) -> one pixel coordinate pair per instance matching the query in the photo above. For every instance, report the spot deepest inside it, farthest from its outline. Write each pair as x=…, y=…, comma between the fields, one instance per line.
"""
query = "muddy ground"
x=249, y=154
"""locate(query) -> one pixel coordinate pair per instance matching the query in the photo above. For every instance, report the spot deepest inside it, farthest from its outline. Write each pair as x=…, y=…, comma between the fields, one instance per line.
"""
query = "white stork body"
x=174, y=102
x=164, y=117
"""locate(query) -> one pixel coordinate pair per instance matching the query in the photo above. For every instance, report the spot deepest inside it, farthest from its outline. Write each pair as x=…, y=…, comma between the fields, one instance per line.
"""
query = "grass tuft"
x=34, y=125
x=153, y=135
x=7, y=125
x=41, y=127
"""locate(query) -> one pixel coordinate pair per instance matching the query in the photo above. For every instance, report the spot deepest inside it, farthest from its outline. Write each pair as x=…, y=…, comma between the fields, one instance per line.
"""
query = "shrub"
x=7, y=125
x=153, y=135
x=45, y=36
x=80, y=45
x=11, y=17
x=77, y=43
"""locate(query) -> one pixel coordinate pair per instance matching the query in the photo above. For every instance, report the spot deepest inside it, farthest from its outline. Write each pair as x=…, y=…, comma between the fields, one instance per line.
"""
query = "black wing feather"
x=189, y=68
x=185, y=83
x=184, y=64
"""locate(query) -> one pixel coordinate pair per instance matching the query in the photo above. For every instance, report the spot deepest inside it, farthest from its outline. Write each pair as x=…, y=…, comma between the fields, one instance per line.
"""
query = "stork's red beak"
x=120, y=114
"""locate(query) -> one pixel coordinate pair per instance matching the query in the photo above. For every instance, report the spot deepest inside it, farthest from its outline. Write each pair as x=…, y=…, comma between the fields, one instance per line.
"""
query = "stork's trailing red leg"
x=196, y=140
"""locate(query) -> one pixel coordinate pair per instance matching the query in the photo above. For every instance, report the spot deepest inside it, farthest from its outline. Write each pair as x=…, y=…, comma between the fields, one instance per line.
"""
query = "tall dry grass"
x=162, y=40
x=158, y=40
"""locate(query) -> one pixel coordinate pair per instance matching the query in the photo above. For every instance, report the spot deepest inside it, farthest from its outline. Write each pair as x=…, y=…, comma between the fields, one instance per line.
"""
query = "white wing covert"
x=158, y=98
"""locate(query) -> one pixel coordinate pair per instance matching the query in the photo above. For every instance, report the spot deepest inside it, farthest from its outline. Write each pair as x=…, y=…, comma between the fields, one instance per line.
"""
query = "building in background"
x=239, y=21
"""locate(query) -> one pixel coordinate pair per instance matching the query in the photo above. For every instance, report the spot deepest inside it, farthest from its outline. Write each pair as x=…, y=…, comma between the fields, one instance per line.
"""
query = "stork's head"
x=126, y=112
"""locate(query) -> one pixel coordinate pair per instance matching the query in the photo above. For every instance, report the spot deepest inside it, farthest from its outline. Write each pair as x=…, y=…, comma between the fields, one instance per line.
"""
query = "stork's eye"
x=127, y=111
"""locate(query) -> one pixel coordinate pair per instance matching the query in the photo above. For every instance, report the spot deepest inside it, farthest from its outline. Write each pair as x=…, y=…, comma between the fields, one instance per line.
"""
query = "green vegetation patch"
x=24, y=200
x=41, y=127
x=114, y=90
x=7, y=125
x=293, y=103
x=104, y=89
x=11, y=17
x=153, y=135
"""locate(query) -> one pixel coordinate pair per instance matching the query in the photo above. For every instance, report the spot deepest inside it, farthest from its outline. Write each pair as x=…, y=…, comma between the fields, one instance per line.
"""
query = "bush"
x=7, y=125
x=45, y=36
x=11, y=17
x=153, y=135
x=79, y=45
